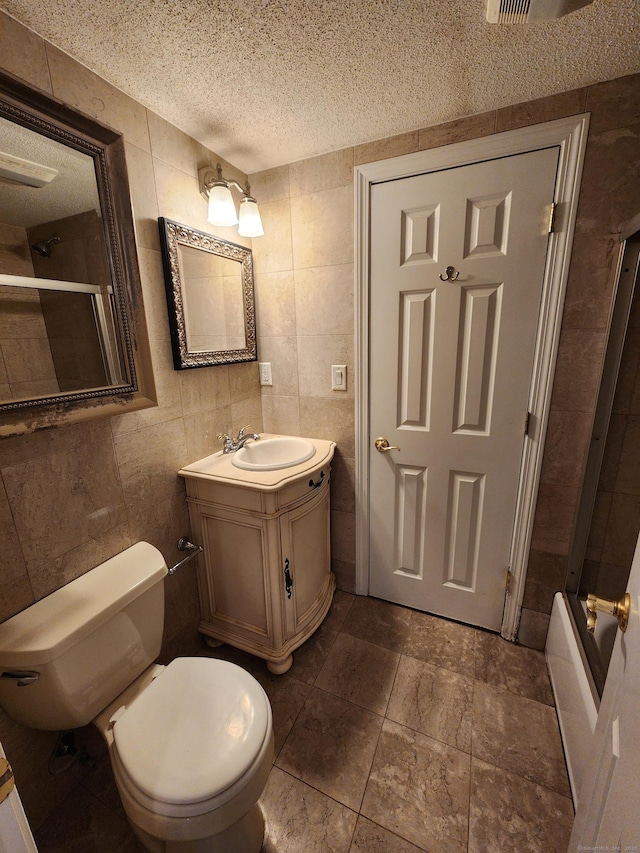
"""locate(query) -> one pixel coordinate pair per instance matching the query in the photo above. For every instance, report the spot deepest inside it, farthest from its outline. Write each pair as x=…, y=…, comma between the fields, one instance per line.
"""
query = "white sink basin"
x=269, y=454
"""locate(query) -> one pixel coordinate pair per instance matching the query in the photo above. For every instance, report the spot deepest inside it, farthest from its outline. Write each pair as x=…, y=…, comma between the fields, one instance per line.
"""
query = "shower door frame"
x=629, y=257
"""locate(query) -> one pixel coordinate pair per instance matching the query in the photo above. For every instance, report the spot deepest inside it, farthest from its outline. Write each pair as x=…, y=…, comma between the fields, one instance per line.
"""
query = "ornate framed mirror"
x=210, y=296
x=73, y=341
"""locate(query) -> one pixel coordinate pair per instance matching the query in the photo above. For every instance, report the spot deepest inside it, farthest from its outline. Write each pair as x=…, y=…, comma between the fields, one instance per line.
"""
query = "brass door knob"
x=619, y=609
x=382, y=445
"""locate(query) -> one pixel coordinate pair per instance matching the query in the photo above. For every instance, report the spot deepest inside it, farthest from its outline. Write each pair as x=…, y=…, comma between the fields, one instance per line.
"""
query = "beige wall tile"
x=542, y=109
x=74, y=84
x=61, y=500
x=578, y=370
x=343, y=484
x=533, y=628
x=275, y=305
x=271, y=185
x=143, y=197
x=591, y=277
x=324, y=300
x=282, y=416
x=608, y=187
x=202, y=431
x=614, y=103
x=23, y=53
x=16, y=592
x=178, y=196
x=273, y=253
x=49, y=573
x=329, y=418
x=381, y=149
x=568, y=438
x=283, y=356
x=345, y=575
x=202, y=388
x=148, y=462
x=173, y=146
x=154, y=294
x=316, y=354
x=321, y=173
x=243, y=381
x=247, y=412
x=322, y=228
x=459, y=130
x=553, y=522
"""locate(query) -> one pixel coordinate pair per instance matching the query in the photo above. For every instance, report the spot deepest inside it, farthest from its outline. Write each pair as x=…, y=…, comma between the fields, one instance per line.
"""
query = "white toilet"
x=191, y=744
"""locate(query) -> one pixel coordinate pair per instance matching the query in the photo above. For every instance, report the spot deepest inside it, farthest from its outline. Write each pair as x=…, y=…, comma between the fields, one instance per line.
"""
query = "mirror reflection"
x=210, y=296
x=57, y=328
x=212, y=301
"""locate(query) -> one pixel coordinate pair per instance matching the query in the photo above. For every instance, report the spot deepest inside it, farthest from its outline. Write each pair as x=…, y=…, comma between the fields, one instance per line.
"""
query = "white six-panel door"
x=450, y=372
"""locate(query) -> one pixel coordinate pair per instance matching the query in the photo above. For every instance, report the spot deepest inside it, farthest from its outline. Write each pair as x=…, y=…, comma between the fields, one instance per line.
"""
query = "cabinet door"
x=238, y=596
x=306, y=557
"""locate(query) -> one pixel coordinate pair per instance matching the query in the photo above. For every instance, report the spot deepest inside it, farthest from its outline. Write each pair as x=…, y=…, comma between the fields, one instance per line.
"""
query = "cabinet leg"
x=279, y=667
x=212, y=642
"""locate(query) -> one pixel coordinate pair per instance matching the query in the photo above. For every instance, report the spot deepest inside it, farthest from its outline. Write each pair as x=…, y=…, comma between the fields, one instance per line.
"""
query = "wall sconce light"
x=222, y=209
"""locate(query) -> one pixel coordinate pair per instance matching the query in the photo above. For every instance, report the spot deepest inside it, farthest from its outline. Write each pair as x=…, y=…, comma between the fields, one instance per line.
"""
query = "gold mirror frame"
x=36, y=110
x=173, y=235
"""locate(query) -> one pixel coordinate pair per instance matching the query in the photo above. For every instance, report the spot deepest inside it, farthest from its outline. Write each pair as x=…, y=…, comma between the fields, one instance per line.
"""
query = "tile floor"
x=396, y=732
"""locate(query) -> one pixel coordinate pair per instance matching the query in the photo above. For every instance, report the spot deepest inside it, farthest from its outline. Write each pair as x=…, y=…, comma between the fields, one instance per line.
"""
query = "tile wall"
x=72, y=497
x=310, y=327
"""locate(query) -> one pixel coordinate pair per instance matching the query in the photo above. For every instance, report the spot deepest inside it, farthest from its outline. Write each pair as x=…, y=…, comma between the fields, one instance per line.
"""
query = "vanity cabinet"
x=265, y=576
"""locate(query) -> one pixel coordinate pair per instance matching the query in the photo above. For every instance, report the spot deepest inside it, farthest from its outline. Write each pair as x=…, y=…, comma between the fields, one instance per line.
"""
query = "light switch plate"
x=338, y=377
x=265, y=373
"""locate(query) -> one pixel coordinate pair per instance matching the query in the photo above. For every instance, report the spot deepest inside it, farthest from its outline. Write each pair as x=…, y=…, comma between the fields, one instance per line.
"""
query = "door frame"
x=570, y=134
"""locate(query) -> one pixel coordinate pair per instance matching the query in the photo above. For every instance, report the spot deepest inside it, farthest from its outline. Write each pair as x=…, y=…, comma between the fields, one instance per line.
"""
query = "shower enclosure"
x=607, y=525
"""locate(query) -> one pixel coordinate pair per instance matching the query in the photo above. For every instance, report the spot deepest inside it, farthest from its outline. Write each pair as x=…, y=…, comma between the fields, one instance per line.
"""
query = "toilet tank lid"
x=52, y=625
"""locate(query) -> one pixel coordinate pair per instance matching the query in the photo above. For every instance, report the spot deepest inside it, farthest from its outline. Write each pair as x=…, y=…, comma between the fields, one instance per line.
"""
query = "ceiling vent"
x=525, y=11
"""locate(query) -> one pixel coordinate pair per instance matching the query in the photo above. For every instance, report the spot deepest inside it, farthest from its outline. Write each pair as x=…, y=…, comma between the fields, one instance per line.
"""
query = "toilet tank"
x=63, y=659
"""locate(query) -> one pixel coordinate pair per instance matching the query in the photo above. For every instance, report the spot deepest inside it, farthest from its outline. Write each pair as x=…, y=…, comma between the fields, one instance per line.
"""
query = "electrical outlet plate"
x=264, y=368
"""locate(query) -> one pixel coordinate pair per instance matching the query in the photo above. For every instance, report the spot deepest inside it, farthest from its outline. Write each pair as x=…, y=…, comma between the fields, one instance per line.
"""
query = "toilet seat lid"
x=194, y=731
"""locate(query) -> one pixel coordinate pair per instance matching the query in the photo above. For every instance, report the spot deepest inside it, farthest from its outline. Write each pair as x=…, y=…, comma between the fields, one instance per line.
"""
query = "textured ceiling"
x=266, y=82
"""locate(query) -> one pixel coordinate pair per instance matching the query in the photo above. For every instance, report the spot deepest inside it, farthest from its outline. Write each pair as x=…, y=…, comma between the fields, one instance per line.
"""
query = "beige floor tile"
x=514, y=668
x=301, y=820
x=371, y=838
x=359, y=671
x=509, y=813
x=419, y=789
x=82, y=823
x=340, y=606
x=441, y=643
x=310, y=656
x=378, y=622
x=519, y=735
x=331, y=747
x=434, y=701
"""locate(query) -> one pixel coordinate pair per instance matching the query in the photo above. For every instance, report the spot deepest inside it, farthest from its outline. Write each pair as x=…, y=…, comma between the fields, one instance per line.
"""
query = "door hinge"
x=552, y=217
x=507, y=583
x=527, y=423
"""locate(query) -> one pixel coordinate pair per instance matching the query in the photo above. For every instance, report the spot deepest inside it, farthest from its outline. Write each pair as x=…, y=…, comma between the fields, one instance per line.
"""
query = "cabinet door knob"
x=288, y=580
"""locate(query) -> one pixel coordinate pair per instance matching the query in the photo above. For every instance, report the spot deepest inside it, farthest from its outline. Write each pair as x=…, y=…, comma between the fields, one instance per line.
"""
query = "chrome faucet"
x=230, y=446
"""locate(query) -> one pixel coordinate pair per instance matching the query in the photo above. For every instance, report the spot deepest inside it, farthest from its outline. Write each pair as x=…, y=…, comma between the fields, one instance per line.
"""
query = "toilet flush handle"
x=23, y=677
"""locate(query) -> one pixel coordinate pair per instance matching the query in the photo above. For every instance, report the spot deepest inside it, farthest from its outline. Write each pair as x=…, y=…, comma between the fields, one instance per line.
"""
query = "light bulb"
x=250, y=222
x=222, y=210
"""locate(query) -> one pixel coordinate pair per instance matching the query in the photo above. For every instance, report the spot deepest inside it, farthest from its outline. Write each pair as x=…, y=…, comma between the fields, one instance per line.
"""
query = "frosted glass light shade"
x=250, y=221
x=222, y=210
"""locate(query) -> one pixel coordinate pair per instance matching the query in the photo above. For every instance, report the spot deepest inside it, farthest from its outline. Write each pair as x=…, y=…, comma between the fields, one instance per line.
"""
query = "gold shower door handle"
x=382, y=445
x=619, y=609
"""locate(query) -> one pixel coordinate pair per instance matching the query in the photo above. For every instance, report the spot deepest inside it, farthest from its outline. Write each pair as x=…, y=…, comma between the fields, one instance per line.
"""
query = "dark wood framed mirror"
x=73, y=341
x=210, y=296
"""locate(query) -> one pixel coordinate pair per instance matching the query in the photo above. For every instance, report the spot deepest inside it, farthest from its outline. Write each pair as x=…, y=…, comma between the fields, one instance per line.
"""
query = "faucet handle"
x=242, y=431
